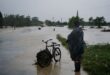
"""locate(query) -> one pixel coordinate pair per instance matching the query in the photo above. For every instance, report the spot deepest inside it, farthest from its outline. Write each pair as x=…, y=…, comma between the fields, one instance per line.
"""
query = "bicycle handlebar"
x=53, y=43
x=46, y=41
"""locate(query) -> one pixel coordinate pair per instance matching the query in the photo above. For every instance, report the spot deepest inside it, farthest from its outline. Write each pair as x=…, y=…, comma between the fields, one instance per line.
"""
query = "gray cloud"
x=46, y=9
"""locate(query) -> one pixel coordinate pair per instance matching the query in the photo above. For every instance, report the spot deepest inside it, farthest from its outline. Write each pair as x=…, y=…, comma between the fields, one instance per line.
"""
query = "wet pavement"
x=18, y=49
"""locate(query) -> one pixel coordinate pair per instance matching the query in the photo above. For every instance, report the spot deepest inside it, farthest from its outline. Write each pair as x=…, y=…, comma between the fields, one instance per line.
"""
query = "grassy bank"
x=62, y=40
x=96, y=59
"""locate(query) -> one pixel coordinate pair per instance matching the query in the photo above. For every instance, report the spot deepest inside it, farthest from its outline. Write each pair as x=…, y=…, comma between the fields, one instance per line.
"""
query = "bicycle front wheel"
x=57, y=54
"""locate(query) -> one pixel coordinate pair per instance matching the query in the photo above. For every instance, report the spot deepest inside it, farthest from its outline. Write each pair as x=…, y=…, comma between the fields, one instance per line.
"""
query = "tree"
x=91, y=20
x=49, y=23
x=81, y=20
x=34, y=21
x=11, y=20
x=99, y=21
x=72, y=21
x=103, y=22
x=1, y=20
x=27, y=21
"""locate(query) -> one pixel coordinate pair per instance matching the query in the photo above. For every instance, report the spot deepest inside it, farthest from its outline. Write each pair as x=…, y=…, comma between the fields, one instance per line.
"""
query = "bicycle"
x=45, y=56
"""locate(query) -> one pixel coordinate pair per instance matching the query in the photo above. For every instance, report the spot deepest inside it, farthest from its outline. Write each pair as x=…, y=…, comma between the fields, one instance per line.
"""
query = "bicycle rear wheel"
x=57, y=54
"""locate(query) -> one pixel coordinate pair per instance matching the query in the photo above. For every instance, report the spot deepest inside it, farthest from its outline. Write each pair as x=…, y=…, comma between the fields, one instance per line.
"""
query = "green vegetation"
x=96, y=59
x=20, y=21
x=62, y=40
x=91, y=22
x=57, y=23
x=74, y=19
x=98, y=21
x=71, y=22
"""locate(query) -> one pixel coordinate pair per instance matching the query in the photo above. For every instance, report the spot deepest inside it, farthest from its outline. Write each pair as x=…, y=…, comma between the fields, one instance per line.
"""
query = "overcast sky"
x=47, y=9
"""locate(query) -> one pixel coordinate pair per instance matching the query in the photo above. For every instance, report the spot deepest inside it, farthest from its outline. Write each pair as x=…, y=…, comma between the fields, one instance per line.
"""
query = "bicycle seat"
x=54, y=42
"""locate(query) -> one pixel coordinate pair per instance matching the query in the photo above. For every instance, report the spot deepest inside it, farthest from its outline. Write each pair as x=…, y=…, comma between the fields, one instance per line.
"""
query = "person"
x=54, y=29
x=76, y=45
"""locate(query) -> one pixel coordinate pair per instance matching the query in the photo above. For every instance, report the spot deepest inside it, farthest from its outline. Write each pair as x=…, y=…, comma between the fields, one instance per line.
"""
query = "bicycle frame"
x=53, y=46
x=55, y=54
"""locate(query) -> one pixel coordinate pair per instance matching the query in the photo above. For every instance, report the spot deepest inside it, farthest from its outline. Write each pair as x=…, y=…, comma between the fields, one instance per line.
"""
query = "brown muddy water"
x=18, y=49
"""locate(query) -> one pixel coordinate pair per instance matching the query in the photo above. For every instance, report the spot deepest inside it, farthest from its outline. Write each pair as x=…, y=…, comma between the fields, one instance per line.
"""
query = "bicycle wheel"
x=57, y=54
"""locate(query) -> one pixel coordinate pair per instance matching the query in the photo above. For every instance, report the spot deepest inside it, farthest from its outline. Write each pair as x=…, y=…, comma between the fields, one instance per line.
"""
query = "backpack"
x=44, y=58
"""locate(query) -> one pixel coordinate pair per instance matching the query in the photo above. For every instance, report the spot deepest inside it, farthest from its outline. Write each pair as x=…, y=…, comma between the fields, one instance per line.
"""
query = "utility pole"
x=77, y=15
x=53, y=21
x=61, y=20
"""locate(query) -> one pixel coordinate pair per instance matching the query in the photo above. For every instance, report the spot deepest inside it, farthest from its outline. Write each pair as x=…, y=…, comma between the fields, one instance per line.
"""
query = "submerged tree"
x=20, y=21
x=73, y=20
x=91, y=20
x=1, y=20
x=34, y=20
x=81, y=21
x=99, y=21
x=48, y=22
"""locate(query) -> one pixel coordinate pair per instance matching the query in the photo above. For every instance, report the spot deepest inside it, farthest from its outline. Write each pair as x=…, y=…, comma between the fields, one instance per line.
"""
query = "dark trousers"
x=77, y=62
x=77, y=66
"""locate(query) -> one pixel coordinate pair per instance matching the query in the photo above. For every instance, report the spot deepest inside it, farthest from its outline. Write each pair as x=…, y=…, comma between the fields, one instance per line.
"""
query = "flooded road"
x=18, y=49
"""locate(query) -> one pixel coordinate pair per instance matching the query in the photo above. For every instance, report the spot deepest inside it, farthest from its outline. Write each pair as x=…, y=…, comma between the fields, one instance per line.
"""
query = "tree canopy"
x=21, y=20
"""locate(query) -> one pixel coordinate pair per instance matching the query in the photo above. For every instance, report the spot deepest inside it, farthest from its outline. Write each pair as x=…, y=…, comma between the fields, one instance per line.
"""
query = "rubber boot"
x=77, y=66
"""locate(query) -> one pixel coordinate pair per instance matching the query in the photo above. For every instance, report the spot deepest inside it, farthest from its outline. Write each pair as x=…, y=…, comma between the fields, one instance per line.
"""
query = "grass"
x=62, y=40
x=96, y=58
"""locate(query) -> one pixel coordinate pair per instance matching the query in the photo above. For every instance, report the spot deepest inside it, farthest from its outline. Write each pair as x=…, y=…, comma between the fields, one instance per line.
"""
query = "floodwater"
x=18, y=49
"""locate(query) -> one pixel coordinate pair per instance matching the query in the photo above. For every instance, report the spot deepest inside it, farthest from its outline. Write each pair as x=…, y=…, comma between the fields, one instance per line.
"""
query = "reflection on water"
x=77, y=73
x=52, y=69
